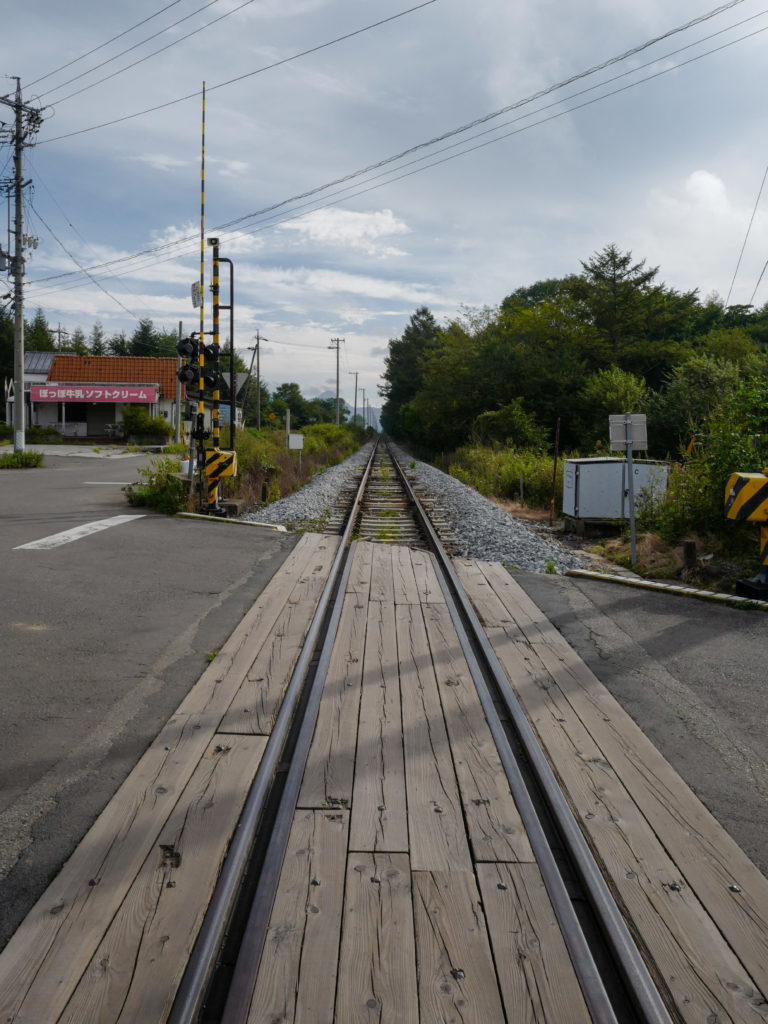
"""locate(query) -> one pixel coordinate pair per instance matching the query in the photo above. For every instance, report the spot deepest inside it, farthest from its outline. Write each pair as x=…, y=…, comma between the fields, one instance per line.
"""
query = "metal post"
x=631, y=491
x=362, y=409
x=177, y=425
x=19, y=411
x=232, y=388
x=213, y=489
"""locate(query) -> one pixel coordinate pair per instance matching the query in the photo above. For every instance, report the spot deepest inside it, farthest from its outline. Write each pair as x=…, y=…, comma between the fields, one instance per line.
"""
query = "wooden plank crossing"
x=409, y=891
x=434, y=836
x=697, y=905
x=109, y=939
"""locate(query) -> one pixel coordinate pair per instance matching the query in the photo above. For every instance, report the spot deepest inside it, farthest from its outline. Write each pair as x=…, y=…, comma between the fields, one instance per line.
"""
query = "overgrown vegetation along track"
x=216, y=986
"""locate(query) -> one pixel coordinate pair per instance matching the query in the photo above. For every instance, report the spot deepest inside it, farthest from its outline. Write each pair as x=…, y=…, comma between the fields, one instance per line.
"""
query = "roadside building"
x=84, y=396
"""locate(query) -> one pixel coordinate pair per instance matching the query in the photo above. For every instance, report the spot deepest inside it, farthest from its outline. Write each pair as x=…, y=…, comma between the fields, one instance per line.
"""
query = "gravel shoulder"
x=479, y=527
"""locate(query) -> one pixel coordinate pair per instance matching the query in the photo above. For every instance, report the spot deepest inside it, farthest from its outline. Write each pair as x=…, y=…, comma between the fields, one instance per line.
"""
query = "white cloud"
x=347, y=228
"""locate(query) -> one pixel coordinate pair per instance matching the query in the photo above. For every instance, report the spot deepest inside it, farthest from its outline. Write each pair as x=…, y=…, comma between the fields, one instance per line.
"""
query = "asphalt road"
x=692, y=674
x=102, y=638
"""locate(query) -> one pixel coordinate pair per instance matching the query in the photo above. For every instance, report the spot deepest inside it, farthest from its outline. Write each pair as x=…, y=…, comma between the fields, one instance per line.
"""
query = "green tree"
x=290, y=397
x=96, y=341
x=403, y=368
x=77, y=343
x=37, y=334
x=118, y=345
x=641, y=324
x=144, y=340
x=606, y=393
x=691, y=393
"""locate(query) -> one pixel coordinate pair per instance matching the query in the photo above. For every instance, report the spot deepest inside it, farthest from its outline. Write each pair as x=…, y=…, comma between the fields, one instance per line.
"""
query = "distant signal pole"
x=337, y=343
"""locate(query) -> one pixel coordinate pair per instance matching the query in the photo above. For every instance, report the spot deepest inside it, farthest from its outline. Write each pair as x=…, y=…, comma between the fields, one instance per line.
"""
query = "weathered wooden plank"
x=221, y=679
x=382, y=583
x=495, y=828
x=297, y=975
x=721, y=875
x=426, y=577
x=379, y=814
x=136, y=969
x=256, y=704
x=538, y=983
x=438, y=841
x=406, y=590
x=329, y=773
x=359, y=579
x=685, y=949
x=490, y=609
x=45, y=959
x=377, y=968
x=457, y=980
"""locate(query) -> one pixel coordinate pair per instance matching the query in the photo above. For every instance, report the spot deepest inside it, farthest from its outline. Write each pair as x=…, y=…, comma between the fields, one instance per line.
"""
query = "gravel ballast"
x=479, y=527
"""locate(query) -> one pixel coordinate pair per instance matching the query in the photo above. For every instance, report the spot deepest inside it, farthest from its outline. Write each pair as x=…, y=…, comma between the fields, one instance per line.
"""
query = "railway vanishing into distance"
x=397, y=794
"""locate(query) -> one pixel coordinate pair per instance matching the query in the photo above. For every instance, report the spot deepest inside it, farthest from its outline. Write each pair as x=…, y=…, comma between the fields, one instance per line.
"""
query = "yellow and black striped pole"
x=213, y=484
x=201, y=344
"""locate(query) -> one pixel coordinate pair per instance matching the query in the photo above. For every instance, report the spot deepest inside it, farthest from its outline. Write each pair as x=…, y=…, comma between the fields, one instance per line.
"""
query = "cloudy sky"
x=661, y=152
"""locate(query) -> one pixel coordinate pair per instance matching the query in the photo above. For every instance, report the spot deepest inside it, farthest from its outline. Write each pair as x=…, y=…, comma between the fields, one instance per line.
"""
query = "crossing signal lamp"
x=188, y=348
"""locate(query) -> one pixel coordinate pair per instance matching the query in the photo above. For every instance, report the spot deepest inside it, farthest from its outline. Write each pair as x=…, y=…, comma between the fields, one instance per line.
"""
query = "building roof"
x=117, y=370
x=38, y=362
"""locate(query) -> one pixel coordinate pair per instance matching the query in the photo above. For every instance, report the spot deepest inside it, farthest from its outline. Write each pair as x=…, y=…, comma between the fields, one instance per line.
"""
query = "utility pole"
x=58, y=332
x=354, y=373
x=337, y=343
x=27, y=120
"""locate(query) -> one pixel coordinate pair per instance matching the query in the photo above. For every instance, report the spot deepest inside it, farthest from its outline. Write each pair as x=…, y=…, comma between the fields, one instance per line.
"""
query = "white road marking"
x=106, y=483
x=76, y=533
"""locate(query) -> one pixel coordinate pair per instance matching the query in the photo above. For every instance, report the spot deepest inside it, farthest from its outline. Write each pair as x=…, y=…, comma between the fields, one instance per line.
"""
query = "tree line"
x=147, y=340
x=610, y=339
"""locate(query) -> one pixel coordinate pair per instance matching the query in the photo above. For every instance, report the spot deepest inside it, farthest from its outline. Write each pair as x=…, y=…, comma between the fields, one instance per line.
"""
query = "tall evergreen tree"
x=404, y=368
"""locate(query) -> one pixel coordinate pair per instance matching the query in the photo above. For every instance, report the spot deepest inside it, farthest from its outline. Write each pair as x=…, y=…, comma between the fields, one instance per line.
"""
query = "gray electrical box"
x=597, y=488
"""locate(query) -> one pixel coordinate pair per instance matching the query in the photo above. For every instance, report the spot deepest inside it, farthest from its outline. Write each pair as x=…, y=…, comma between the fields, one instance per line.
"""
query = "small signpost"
x=628, y=432
x=296, y=444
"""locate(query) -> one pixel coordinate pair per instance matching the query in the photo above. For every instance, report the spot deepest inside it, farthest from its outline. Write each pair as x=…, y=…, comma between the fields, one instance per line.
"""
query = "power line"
x=240, y=78
x=152, y=252
x=101, y=46
x=82, y=268
x=148, y=56
x=744, y=244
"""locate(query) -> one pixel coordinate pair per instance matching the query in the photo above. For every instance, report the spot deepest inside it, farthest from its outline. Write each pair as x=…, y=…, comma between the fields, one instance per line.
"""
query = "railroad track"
x=220, y=977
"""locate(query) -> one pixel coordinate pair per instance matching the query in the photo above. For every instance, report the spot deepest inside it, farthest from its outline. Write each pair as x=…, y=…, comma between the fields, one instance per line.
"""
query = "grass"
x=21, y=460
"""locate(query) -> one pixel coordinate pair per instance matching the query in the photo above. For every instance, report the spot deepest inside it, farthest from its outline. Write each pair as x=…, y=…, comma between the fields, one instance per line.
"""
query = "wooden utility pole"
x=354, y=373
x=27, y=120
x=337, y=343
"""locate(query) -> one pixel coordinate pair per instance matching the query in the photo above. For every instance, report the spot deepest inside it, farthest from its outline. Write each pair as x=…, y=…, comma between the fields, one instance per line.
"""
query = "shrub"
x=158, y=488
x=21, y=460
x=137, y=422
x=498, y=471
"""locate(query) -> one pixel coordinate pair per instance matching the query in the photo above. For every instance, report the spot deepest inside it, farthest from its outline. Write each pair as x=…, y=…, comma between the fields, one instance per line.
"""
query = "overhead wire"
x=744, y=243
x=394, y=175
x=74, y=259
x=240, y=78
x=141, y=60
x=101, y=46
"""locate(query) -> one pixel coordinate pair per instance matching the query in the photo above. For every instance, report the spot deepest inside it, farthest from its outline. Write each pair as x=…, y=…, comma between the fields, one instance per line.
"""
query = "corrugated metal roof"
x=117, y=370
x=38, y=362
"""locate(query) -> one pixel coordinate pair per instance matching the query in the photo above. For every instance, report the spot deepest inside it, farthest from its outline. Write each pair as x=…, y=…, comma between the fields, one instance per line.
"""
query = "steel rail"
x=637, y=978
x=197, y=975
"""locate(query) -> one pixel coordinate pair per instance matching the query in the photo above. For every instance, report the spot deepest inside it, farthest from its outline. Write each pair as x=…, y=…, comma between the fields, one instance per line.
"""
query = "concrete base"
x=754, y=587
